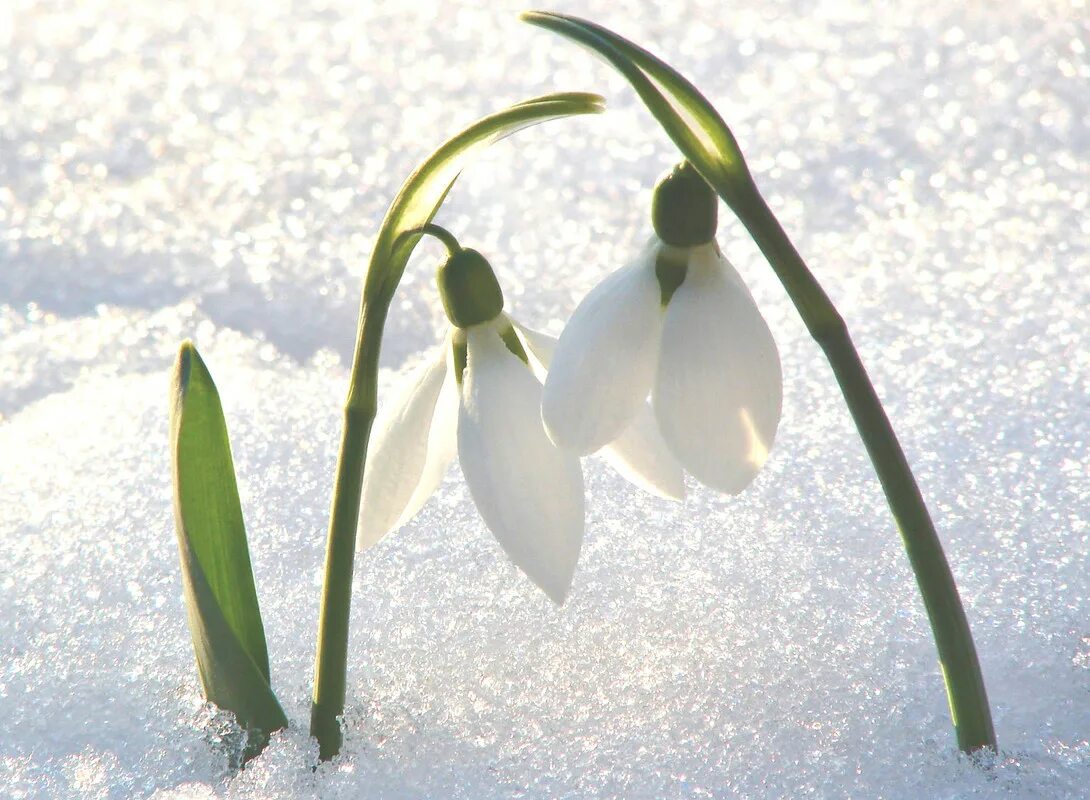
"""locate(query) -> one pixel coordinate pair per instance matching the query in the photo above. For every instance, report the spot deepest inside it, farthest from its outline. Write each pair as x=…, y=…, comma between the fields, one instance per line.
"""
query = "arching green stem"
x=707, y=143
x=966, y=695
x=411, y=212
x=439, y=232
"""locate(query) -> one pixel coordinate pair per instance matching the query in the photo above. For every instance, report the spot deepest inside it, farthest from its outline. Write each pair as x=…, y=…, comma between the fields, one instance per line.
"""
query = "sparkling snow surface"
x=217, y=169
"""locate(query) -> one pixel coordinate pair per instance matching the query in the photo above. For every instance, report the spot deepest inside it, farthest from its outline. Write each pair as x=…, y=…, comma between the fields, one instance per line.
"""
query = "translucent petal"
x=529, y=492
x=605, y=359
x=639, y=453
x=412, y=444
x=442, y=445
x=642, y=456
x=539, y=347
x=719, y=389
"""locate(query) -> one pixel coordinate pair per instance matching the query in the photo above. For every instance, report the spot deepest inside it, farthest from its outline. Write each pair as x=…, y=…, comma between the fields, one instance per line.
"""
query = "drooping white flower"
x=639, y=453
x=480, y=396
x=679, y=324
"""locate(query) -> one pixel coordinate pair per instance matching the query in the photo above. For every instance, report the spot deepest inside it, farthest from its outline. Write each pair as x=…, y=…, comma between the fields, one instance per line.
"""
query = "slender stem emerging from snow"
x=708, y=144
x=359, y=413
x=953, y=639
x=407, y=219
x=330, y=668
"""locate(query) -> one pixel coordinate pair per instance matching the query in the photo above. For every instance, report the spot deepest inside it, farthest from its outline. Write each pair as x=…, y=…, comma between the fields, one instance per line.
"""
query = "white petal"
x=412, y=444
x=442, y=445
x=529, y=492
x=539, y=347
x=639, y=453
x=719, y=388
x=605, y=359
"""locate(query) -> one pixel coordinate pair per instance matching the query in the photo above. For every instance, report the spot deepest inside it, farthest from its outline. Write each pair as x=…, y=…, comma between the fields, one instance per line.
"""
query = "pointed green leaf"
x=686, y=115
x=220, y=598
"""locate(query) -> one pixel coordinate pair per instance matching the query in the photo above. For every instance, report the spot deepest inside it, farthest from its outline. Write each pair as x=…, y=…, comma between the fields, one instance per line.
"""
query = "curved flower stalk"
x=680, y=324
x=416, y=203
x=479, y=395
x=708, y=144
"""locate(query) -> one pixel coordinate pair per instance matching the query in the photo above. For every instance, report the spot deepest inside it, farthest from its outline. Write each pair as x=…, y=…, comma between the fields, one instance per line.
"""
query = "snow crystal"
x=217, y=169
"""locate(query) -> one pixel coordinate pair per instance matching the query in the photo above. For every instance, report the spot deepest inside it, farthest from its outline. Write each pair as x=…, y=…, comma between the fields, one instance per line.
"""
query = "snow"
x=218, y=170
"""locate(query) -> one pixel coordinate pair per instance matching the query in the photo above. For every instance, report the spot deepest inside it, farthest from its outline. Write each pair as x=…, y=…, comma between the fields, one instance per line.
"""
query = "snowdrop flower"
x=479, y=396
x=679, y=324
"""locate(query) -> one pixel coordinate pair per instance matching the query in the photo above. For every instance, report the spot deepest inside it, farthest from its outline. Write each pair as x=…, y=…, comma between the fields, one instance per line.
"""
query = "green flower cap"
x=469, y=289
x=684, y=209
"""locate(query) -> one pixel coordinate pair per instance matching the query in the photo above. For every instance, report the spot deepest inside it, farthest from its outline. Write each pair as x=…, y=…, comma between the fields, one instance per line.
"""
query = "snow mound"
x=217, y=170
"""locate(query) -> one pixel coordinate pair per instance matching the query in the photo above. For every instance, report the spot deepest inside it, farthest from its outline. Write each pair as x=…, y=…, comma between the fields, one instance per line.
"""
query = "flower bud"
x=469, y=289
x=684, y=209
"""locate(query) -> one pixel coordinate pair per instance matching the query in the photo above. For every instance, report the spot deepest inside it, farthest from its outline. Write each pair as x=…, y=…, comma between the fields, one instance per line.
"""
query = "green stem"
x=330, y=668
x=332, y=656
x=448, y=239
x=957, y=655
x=708, y=144
x=408, y=217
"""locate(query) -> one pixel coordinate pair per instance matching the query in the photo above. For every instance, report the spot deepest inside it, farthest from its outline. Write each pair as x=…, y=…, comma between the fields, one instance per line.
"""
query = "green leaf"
x=220, y=598
x=426, y=188
x=685, y=114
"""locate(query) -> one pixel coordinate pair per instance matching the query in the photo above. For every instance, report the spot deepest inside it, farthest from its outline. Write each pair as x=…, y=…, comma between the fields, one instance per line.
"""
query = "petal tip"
x=561, y=437
x=732, y=485
x=555, y=416
x=368, y=535
x=558, y=593
x=677, y=495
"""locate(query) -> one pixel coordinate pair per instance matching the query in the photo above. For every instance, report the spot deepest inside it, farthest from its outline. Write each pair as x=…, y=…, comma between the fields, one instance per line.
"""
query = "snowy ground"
x=217, y=169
